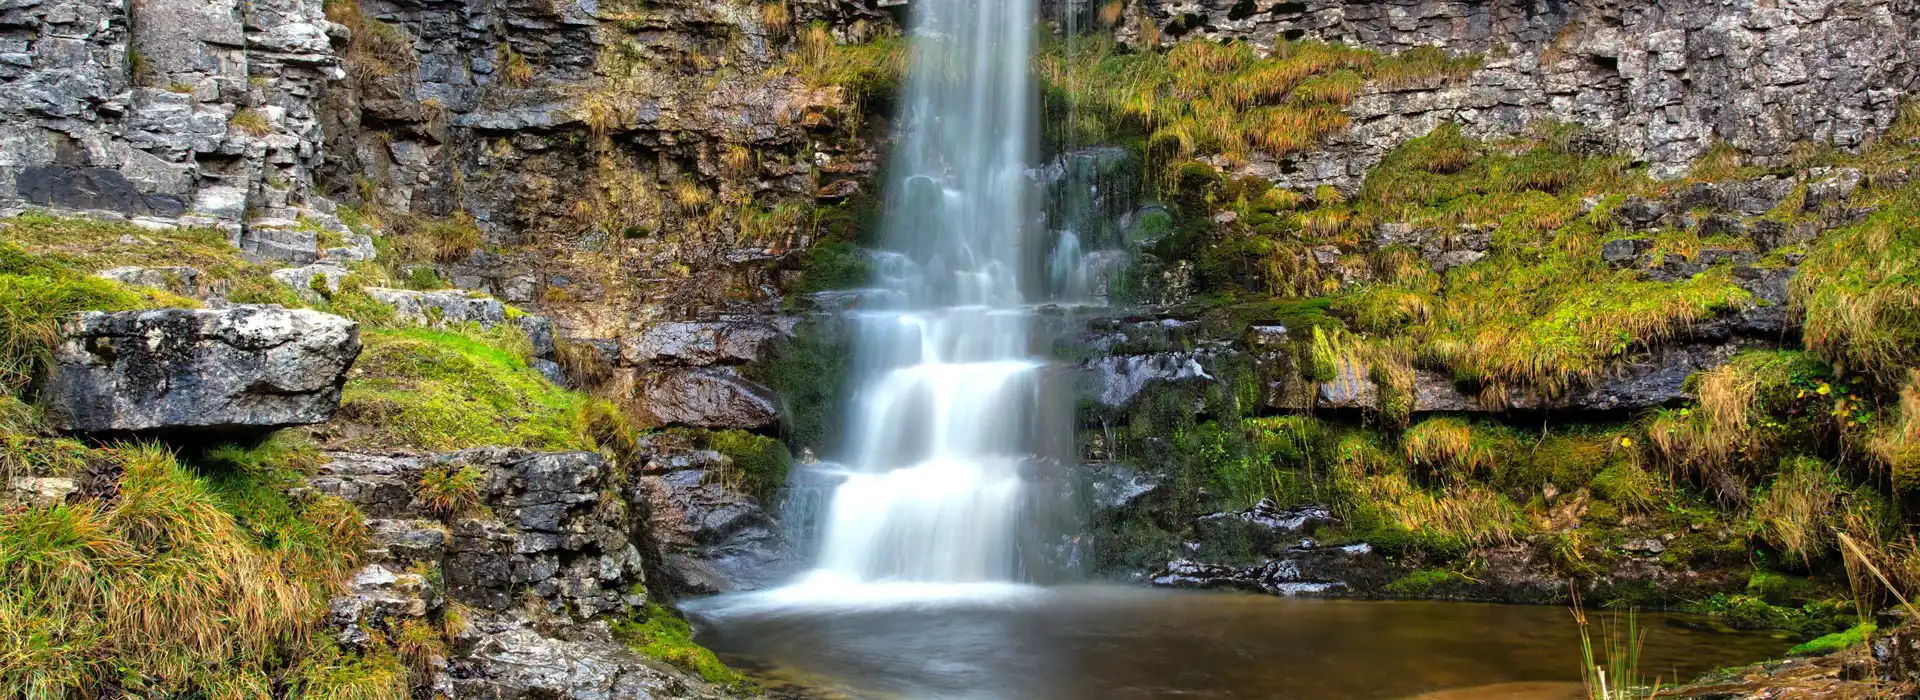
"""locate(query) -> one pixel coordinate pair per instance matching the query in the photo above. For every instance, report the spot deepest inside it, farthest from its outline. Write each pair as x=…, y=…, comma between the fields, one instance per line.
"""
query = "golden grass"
x=164, y=587
x=1448, y=445
x=1793, y=511
x=1897, y=444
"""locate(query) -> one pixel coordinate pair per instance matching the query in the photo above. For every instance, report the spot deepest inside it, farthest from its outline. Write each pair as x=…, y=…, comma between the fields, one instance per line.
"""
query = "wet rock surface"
x=705, y=397
x=713, y=537
x=249, y=368
x=1269, y=549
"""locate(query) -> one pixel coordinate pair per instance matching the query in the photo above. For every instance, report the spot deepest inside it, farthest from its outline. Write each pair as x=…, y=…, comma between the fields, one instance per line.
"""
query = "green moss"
x=1423, y=582
x=834, y=265
x=1838, y=641
x=655, y=632
x=454, y=389
x=808, y=372
x=1747, y=612
x=1780, y=589
x=759, y=463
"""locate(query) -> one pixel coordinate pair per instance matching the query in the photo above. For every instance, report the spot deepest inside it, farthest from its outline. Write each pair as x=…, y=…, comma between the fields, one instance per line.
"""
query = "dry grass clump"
x=867, y=71
x=449, y=490
x=1455, y=517
x=179, y=585
x=378, y=49
x=1749, y=412
x=1793, y=512
x=252, y=121
x=1897, y=444
x=776, y=17
x=1448, y=445
x=449, y=239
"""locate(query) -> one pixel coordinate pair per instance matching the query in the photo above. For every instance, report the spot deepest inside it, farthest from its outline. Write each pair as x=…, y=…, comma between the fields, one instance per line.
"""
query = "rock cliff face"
x=171, y=111
x=546, y=545
x=1665, y=82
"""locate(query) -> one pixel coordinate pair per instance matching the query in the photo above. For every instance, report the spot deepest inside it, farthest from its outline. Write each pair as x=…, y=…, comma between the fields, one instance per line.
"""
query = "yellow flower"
x=1626, y=442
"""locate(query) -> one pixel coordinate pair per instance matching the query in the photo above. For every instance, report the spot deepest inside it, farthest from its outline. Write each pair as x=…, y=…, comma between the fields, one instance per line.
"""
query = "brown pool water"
x=1108, y=643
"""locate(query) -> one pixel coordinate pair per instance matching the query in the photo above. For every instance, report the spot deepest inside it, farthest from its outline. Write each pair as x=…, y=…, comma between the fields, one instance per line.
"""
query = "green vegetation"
x=450, y=490
x=453, y=389
x=36, y=293
x=1202, y=97
x=1611, y=671
x=1838, y=641
x=869, y=72
x=808, y=371
x=758, y=464
x=1423, y=582
x=252, y=121
x=834, y=265
x=655, y=632
x=190, y=582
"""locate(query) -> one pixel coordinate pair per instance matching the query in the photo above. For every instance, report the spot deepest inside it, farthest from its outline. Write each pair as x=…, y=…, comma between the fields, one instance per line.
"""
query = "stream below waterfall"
x=1110, y=643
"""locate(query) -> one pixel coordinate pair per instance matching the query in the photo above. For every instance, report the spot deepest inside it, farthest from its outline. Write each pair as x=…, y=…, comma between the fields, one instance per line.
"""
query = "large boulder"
x=246, y=368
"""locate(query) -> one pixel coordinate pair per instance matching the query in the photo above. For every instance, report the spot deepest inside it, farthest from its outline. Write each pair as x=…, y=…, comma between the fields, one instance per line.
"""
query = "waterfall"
x=949, y=421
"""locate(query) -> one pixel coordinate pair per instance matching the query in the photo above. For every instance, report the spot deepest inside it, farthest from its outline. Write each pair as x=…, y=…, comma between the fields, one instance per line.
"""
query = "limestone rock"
x=547, y=531
x=698, y=343
x=246, y=368
x=308, y=281
x=511, y=659
x=181, y=280
x=441, y=308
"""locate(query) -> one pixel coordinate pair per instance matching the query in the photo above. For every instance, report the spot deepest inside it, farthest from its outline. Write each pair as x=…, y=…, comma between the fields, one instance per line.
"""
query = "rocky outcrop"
x=540, y=562
x=506, y=657
x=248, y=368
x=170, y=112
x=1282, y=558
x=729, y=340
x=1663, y=82
x=713, y=537
x=705, y=397
x=546, y=529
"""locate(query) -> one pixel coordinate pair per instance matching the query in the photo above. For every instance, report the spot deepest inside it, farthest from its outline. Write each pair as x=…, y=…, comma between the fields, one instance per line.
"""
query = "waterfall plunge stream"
x=951, y=423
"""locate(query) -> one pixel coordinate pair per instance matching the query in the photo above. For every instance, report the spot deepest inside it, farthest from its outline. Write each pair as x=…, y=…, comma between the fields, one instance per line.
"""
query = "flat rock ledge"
x=246, y=369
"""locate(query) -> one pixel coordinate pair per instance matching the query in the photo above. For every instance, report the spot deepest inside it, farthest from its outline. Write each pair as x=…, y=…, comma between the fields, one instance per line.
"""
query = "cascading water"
x=949, y=419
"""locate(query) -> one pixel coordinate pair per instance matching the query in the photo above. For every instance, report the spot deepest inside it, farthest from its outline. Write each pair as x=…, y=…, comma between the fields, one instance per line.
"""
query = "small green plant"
x=252, y=121
x=450, y=490
x=1612, y=671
